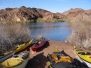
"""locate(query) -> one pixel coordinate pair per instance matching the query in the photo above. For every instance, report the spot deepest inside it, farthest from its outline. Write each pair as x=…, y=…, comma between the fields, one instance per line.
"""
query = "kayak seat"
x=82, y=53
x=88, y=53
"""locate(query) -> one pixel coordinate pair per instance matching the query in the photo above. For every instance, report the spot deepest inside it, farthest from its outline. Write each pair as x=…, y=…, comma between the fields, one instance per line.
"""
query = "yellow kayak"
x=23, y=46
x=63, y=57
x=56, y=49
x=86, y=56
x=12, y=62
x=6, y=55
x=58, y=59
x=17, y=60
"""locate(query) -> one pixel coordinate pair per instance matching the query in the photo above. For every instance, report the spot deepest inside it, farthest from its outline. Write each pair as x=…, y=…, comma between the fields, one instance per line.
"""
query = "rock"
x=78, y=14
x=24, y=14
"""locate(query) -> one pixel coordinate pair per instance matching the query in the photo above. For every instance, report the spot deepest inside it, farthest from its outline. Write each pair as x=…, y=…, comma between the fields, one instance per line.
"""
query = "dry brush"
x=81, y=34
x=11, y=35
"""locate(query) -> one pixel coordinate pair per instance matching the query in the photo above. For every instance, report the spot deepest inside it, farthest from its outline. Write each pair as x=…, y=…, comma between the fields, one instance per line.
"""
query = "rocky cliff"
x=24, y=14
x=78, y=14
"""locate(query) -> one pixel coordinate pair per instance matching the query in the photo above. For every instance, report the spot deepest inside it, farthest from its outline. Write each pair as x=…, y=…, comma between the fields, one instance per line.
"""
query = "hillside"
x=24, y=14
x=78, y=14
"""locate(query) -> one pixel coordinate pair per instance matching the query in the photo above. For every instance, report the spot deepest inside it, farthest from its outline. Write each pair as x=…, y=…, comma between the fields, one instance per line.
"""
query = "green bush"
x=59, y=20
x=40, y=20
x=29, y=21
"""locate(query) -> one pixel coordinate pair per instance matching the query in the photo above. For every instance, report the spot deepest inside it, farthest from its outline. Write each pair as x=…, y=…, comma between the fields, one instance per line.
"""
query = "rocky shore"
x=39, y=59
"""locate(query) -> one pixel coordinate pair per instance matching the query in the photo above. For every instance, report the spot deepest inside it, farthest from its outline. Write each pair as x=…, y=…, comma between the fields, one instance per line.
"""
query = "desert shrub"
x=40, y=20
x=4, y=40
x=30, y=21
x=12, y=34
x=81, y=34
x=58, y=20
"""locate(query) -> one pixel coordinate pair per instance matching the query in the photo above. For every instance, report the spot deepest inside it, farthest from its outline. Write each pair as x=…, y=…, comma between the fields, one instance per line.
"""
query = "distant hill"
x=78, y=14
x=24, y=15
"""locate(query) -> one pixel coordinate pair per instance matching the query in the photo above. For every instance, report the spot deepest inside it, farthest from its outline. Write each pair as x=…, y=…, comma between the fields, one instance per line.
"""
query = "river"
x=58, y=31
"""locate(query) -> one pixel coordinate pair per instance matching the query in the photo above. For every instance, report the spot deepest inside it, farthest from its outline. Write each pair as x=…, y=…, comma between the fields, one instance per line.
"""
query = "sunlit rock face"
x=78, y=14
x=24, y=14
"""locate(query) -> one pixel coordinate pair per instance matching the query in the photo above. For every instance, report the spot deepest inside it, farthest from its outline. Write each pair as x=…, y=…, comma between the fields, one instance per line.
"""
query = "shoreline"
x=41, y=56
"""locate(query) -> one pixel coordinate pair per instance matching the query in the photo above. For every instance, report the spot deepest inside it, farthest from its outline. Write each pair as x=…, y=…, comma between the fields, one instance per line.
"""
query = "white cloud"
x=2, y=7
x=54, y=10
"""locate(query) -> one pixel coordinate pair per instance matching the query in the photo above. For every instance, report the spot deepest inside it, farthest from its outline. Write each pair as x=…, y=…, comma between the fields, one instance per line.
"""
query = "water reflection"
x=52, y=31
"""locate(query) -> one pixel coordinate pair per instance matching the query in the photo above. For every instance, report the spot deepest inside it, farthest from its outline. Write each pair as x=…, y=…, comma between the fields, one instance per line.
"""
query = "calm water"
x=53, y=31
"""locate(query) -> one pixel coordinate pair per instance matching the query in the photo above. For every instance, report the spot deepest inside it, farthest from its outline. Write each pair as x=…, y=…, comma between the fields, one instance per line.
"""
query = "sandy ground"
x=39, y=59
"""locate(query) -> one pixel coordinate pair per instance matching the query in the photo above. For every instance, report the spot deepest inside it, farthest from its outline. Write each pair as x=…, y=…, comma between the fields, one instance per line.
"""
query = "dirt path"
x=39, y=60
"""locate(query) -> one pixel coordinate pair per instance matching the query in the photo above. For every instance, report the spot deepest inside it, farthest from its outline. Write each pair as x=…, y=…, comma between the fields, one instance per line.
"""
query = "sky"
x=50, y=5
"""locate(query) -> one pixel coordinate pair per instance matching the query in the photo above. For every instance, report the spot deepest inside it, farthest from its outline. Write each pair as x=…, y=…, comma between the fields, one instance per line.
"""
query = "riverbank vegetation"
x=35, y=21
x=53, y=20
x=11, y=35
x=81, y=34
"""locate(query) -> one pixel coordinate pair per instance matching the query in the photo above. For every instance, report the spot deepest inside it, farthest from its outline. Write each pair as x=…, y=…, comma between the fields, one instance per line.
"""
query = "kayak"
x=17, y=60
x=40, y=43
x=83, y=55
x=59, y=59
x=12, y=62
x=6, y=56
x=23, y=46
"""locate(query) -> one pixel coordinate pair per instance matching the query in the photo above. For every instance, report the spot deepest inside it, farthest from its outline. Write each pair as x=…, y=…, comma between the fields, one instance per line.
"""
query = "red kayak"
x=39, y=44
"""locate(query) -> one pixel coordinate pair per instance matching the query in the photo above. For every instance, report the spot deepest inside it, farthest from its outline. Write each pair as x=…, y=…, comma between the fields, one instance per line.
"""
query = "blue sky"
x=50, y=5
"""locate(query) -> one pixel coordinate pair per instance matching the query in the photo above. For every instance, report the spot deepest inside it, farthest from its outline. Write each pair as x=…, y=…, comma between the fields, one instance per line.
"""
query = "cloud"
x=2, y=7
x=54, y=10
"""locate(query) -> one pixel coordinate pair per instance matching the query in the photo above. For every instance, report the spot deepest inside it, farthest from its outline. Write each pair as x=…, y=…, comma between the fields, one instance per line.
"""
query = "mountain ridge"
x=24, y=14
